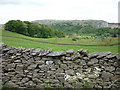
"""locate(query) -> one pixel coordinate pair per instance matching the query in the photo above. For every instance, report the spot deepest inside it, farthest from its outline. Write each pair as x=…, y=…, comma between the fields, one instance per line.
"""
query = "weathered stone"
x=13, y=57
x=80, y=50
x=24, y=80
x=37, y=80
x=31, y=60
x=77, y=61
x=5, y=50
x=29, y=50
x=85, y=58
x=41, y=62
x=67, y=85
x=76, y=56
x=71, y=51
x=3, y=45
x=106, y=75
x=32, y=66
x=33, y=54
x=82, y=62
x=112, y=55
x=103, y=54
x=13, y=51
x=5, y=78
x=116, y=77
x=55, y=81
x=10, y=84
x=85, y=52
x=37, y=58
x=19, y=68
x=29, y=84
x=63, y=66
x=68, y=58
x=56, y=53
x=24, y=70
x=68, y=55
x=37, y=50
x=17, y=61
x=24, y=62
x=46, y=58
x=92, y=76
x=117, y=64
x=45, y=52
x=93, y=55
x=63, y=58
x=92, y=61
x=118, y=56
x=18, y=54
x=51, y=72
x=49, y=62
x=57, y=62
x=11, y=66
x=43, y=67
x=70, y=72
x=60, y=74
x=59, y=70
x=117, y=71
x=110, y=69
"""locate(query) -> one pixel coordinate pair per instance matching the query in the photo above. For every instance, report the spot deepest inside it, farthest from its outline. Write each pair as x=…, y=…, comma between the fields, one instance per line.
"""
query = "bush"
x=75, y=39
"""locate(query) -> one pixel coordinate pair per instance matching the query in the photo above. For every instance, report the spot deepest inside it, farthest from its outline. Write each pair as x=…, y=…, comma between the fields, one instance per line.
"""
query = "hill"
x=94, y=23
x=87, y=27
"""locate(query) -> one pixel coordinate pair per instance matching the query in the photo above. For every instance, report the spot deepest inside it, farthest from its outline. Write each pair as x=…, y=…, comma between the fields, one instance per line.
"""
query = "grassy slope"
x=29, y=44
x=66, y=40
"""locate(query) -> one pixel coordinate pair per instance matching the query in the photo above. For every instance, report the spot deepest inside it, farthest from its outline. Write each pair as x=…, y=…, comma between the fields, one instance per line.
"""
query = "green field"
x=29, y=44
x=81, y=40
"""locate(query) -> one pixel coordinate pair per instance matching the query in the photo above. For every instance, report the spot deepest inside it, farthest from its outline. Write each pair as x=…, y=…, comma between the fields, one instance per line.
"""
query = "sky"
x=29, y=10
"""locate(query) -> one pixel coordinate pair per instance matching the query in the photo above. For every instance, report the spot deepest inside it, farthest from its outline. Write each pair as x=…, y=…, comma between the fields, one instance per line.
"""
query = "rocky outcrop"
x=37, y=68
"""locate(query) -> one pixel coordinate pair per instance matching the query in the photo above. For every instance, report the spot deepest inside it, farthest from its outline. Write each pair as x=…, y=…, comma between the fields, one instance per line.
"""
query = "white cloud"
x=58, y=9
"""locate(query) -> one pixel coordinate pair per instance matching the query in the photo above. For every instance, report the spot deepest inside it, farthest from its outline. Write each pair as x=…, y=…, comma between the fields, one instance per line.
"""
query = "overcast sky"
x=58, y=9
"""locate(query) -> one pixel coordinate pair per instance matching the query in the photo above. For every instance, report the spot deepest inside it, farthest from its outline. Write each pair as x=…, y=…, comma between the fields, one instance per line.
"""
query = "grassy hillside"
x=29, y=44
x=68, y=40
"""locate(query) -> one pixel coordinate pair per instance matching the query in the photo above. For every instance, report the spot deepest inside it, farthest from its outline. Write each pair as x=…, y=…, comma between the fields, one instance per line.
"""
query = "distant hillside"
x=70, y=27
x=94, y=23
x=73, y=26
x=1, y=25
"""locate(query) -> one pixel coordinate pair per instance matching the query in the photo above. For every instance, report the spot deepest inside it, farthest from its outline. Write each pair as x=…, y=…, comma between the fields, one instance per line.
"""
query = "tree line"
x=32, y=29
x=69, y=29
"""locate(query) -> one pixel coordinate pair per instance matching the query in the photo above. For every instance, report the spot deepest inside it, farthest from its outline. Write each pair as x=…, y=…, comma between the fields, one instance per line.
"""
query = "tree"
x=32, y=29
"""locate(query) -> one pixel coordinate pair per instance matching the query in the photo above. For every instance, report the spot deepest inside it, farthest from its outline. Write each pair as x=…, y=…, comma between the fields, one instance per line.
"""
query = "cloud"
x=59, y=9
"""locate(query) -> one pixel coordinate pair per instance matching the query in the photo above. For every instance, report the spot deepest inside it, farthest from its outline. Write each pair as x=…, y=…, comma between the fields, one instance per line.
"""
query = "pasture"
x=82, y=40
x=30, y=44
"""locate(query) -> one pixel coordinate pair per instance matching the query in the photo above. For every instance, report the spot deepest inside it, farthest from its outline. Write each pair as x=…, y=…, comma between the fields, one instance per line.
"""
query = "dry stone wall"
x=37, y=68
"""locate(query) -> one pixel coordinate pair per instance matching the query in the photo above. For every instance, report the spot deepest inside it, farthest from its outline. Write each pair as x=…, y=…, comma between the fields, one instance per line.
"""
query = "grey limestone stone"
x=110, y=68
x=32, y=66
x=103, y=54
x=49, y=62
x=24, y=80
x=70, y=72
x=106, y=75
x=92, y=55
x=36, y=50
x=45, y=52
x=17, y=61
x=56, y=53
x=71, y=51
x=92, y=61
